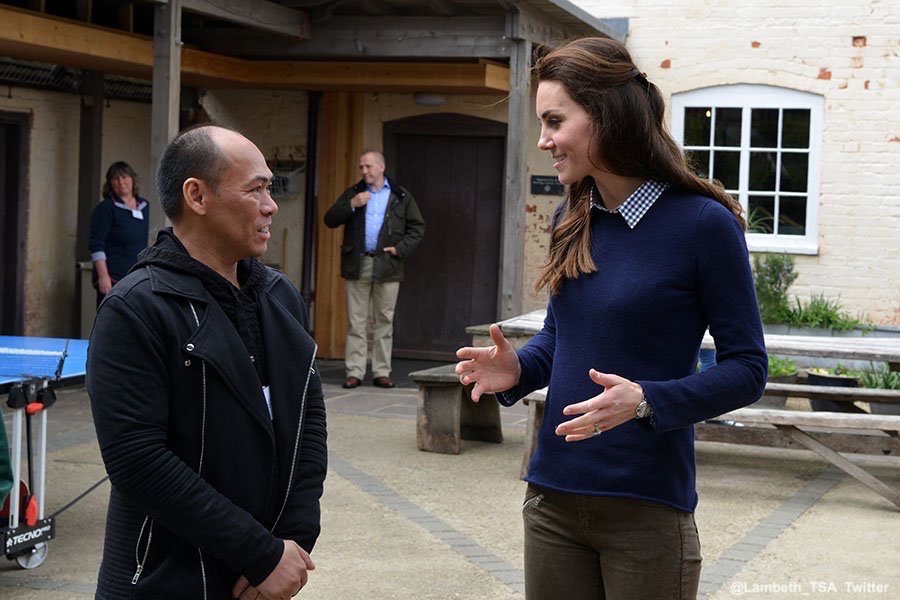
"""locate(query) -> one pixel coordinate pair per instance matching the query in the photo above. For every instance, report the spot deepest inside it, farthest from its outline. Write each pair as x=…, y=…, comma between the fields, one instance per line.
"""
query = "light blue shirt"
x=375, y=209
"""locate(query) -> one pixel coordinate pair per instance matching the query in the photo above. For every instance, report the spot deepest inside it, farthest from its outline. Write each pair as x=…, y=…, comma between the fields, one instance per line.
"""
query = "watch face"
x=643, y=409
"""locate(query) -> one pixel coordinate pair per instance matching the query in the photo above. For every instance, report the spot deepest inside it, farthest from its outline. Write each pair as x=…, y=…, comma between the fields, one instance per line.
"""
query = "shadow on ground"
x=332, y=371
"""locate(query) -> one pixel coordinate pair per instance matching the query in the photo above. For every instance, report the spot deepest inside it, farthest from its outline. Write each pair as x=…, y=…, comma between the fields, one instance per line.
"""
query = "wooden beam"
x=258, y=14
x=444, y=7
x=482, y=77
x=512, y=252
x=537, y=27
x=90, y=151
x=842, y=463
x=851, y=442
x=166, y=85
x=358, y=37
x=613, y=28
x=29, y=36
x=832, y=420
x=374, y=7
x=827, y=392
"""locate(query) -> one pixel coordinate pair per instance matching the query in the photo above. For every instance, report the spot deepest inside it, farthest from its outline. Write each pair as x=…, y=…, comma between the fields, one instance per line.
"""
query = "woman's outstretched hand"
x=492, y=369
x=615, y=405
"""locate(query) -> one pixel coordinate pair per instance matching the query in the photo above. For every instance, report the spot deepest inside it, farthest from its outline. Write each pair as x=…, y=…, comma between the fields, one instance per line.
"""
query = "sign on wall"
x=546, y=185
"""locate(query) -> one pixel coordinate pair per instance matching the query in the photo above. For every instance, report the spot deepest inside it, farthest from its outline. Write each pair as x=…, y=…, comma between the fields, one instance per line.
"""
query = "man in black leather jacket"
x=208, y=408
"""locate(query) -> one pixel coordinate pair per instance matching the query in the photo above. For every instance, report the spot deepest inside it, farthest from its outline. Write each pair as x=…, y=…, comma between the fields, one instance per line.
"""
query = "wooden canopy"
x=340, y=47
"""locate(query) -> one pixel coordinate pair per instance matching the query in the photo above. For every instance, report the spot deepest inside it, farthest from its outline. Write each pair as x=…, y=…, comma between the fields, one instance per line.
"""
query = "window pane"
x=726, y=167
x=792, y=215
x=795, y=128
x=698, y=160
x=762, y=171
x=794, y=169
x=764, y=128
x=697, y=126
x=761, y=214
x=728, y=127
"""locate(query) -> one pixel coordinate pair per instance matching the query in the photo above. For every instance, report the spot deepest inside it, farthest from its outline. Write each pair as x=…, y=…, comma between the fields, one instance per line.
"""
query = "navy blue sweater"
x=115, y=232
x=642, y=316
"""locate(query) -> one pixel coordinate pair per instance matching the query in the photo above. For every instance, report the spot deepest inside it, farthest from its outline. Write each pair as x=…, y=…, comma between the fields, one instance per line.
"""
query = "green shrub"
x=779, y=367
x=821, y=312
x=880, y=378
x=773, y=274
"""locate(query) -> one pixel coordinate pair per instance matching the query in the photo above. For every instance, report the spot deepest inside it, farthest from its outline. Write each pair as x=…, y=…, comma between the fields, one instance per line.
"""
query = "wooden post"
x=166, y=89
x=341, y=141
x=512, y=254
x=90, y=148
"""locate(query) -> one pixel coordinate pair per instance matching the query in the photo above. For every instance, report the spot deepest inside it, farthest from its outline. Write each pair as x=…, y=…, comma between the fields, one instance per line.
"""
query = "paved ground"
x=403, y=524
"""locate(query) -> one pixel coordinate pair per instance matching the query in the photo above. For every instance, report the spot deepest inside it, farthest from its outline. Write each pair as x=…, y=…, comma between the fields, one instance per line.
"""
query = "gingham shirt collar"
x=637, y=204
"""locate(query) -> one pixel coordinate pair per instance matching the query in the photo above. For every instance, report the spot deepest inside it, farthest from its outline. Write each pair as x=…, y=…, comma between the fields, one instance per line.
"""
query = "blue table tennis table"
x=31, y=368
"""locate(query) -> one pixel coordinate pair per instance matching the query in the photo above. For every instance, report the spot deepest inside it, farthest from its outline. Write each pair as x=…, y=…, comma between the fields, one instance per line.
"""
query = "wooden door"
x=453, y=166
x=13, y=198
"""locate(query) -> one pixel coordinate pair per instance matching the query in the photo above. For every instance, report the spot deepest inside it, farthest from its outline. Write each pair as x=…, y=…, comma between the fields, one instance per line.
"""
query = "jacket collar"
x=177, y=283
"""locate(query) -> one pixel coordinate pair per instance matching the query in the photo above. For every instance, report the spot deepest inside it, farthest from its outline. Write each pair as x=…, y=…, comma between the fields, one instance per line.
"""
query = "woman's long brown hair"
x=627, y=121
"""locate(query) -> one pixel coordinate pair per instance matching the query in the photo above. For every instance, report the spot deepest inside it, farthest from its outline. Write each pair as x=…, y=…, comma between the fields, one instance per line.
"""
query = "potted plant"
x=781, y=370
x=838, y=376
x=882, y=379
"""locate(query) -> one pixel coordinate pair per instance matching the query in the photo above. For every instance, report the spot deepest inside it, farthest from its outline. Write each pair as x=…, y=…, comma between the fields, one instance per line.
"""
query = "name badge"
x=139, y=215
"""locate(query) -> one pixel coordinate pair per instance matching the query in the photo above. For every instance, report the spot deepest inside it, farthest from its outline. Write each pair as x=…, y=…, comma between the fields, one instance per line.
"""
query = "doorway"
x=13, y=201
x=453, y=165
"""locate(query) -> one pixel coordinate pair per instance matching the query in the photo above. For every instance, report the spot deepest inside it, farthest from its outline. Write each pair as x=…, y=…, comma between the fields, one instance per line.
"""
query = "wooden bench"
x=827, y=434
x=446, y=414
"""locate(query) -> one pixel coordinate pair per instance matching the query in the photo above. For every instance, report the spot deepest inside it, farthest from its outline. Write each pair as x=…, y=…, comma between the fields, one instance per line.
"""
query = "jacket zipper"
x=293, y=466
x=202, y=448
x=137, y=549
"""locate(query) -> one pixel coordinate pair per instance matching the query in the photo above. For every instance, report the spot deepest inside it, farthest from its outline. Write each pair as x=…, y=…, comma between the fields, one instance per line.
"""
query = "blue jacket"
x=117, y=234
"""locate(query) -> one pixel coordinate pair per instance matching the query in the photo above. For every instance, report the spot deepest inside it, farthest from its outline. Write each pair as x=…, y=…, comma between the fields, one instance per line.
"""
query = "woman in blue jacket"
x=644, y=256
x=119, y=228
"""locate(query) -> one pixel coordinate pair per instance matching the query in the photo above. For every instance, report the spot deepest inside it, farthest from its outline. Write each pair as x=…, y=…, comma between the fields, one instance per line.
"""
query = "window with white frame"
x=764, y=144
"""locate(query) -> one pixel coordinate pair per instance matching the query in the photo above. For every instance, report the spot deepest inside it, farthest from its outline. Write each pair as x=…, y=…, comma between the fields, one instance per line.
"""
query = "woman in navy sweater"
x=644, y=256
x=119, y=228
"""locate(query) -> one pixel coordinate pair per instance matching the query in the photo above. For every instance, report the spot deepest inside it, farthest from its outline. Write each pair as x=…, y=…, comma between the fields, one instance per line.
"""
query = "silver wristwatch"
x=643, y=409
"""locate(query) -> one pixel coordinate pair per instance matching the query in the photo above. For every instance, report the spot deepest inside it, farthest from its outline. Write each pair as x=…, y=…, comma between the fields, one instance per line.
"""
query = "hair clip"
x=641, y=77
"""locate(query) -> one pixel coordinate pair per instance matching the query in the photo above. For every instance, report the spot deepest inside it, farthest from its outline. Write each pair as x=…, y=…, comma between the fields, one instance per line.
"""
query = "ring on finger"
x=595, y=430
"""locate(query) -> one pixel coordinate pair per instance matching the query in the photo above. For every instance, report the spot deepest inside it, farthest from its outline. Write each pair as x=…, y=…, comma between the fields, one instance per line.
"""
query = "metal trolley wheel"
x=34, y=557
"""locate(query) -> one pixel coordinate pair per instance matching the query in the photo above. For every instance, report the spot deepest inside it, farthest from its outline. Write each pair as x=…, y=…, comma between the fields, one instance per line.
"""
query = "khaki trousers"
x=607, y=548
x=365, y=295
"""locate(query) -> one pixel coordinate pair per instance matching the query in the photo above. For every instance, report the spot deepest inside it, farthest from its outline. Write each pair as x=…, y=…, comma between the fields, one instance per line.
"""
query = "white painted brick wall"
x=805, y=45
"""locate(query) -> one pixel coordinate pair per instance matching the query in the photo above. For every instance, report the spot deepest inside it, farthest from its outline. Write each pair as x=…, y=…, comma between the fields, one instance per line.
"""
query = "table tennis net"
x=21, y=363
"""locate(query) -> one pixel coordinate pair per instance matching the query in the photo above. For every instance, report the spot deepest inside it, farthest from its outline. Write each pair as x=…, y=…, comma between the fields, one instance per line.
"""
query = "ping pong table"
x=31, y=368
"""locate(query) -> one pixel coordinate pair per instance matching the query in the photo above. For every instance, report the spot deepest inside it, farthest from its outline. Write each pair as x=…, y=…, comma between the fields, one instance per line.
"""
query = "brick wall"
x=845, y=52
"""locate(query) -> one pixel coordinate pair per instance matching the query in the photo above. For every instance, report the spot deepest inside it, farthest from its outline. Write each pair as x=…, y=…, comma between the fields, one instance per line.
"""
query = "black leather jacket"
x=204, y=483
